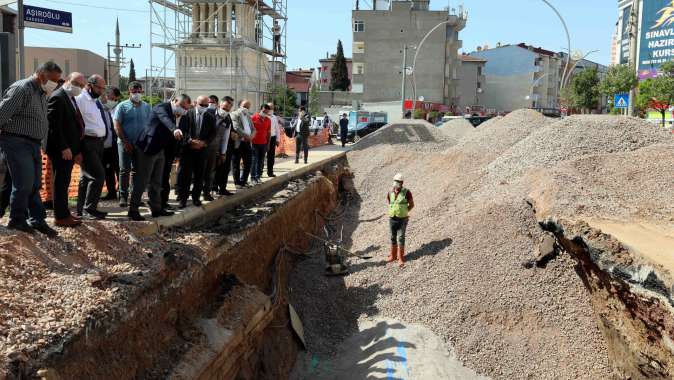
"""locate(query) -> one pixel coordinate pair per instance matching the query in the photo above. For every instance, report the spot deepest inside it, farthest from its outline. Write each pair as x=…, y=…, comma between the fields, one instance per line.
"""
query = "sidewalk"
x=284, y=167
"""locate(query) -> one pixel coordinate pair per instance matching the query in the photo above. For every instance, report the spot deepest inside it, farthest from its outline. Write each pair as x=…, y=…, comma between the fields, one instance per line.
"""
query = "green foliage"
x=619, y=79
x=584, y=90
x=658, y=93
x=132, y=72
x=285, y=101
x=314, y=101
x=340, y=71
x=419, y=114
x=152, y=100
x=123, y=83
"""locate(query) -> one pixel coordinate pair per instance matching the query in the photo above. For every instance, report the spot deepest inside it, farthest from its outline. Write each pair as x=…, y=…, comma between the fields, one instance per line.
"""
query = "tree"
x=132, y=72
x=340, y=72
x=123, y=83
x=285, y=101
x=314, y=101
x=584, y=91
x=619, y=79
x=658, y=93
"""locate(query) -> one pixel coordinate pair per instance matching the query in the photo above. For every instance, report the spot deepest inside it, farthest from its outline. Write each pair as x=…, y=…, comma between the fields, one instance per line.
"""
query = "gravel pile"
x=456, y=129
x=470, y=234
x=414, y=134
x=575, y=137
x=51, y=287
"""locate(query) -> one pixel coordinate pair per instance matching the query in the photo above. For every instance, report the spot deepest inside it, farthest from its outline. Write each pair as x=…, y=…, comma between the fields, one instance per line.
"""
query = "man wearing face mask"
x=131, y=117
x=242, y=133
x=301, y=131
x=181, y=104
x=212, y=151
x=23, y=126
x=262, y=125
x=160, y=130
x=95, y=133
x=198, y=127
x=110, y=152
x=224, y=122
x=66, y=129
x=400, y=203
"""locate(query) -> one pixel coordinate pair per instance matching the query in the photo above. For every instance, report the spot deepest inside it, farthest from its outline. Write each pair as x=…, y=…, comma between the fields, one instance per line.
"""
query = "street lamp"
x=568, y=78
x=568, y=41
x=414, y=63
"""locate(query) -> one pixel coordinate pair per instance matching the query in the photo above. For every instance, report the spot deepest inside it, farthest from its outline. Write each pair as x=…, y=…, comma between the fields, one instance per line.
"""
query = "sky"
x=314, y=26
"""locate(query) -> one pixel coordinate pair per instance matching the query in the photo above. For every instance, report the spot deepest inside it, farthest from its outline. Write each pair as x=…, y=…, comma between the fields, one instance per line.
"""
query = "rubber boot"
x=401, y=255
x=394, y=254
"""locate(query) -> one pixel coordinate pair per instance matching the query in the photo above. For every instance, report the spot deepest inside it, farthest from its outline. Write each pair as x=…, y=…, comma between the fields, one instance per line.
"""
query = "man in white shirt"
x=96, y=130
x=273, y=142
x=242, y=133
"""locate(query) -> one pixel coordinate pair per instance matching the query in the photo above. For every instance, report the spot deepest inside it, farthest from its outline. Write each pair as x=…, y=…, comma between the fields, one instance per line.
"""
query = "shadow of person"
x=429, y=249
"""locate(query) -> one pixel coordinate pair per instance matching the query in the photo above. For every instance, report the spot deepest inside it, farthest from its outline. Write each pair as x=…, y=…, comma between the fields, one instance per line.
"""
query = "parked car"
x=363, y=129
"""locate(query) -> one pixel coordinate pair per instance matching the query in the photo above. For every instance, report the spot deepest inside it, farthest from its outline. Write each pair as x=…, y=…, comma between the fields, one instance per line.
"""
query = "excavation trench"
x=631, y=298
x=219, y=306
x=218, y=309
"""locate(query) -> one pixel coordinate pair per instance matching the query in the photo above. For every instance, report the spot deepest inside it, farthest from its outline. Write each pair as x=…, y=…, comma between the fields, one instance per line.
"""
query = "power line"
x=97, y=6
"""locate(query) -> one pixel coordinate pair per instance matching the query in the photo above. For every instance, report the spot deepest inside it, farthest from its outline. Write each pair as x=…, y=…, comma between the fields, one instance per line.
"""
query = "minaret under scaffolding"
x=224, y=53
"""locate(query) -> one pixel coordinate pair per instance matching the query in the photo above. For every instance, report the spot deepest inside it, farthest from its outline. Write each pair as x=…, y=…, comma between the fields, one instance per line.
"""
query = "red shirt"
x=262, y=127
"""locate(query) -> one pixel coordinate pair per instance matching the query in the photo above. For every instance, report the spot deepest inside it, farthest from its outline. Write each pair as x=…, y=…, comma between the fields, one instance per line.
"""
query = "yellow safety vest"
x=398, y=206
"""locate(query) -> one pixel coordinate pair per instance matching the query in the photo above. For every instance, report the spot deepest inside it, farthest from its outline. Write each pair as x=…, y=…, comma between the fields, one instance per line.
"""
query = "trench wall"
x=145, y=338
x=631, y=301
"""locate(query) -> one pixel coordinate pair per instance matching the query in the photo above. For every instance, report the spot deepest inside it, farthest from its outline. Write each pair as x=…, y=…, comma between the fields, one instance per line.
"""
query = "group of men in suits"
x=128, y=146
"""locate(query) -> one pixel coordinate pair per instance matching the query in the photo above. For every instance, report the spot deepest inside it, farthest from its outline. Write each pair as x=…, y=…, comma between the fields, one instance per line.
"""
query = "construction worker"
x=400, y=203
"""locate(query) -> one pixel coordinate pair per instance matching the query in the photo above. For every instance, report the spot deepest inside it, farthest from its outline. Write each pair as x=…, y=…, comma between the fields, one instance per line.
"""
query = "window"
x=359, y=47
x=67, y=67
x=479, y=70
x=359, y=68
x=358, y=26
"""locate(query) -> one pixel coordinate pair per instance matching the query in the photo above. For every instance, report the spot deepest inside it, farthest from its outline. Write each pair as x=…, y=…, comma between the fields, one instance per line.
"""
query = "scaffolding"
x=177, y=38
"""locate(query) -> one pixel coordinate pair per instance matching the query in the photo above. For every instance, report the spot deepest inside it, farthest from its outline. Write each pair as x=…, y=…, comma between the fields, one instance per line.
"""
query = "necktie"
x=105, y=119
x=80, y=119
x=198, y=126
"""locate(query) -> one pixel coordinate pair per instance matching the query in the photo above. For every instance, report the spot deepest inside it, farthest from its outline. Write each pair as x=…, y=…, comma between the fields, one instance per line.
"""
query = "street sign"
x=48, y=19
x=621, y=101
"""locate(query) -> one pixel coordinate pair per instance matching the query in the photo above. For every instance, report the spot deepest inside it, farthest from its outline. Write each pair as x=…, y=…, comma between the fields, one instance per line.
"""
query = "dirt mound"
x=414, y=134
x=470, y=234
x=576, y=137
x=458, y=128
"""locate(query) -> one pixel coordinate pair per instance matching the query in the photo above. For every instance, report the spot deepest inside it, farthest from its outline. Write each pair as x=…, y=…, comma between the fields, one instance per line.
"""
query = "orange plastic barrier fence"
x=287, y=144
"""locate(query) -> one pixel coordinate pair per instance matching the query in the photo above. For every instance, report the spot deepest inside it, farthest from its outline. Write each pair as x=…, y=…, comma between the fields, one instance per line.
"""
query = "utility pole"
x=634, y=35
x=404, y=70
x=22, y=48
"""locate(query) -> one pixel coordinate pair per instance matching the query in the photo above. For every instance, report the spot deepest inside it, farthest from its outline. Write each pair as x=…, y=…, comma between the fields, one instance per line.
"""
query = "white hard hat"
x=398, y=178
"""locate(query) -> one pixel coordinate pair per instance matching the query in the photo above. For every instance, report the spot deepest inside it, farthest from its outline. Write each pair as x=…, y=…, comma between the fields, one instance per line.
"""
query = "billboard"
x=48, y=19
x=657, y=36
x=625, y=35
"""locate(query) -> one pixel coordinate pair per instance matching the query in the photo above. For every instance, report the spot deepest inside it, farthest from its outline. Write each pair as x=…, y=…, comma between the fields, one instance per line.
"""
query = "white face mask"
x=212, y=106
x=397, y=185
x=72, y=90
x=111, y=104
x=222, y=112
x=201, y=109
x=178, y=110
x=49, y=87
x=136, y=98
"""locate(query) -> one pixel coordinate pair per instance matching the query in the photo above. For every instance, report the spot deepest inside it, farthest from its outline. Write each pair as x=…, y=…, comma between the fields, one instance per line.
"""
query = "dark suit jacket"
x=188, y=124
x=65, y=128
x=304, y=127
x=159, y=131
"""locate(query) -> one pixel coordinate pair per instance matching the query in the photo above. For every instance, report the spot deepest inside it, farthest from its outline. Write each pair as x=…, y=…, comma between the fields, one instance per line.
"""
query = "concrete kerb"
x=202, y=214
